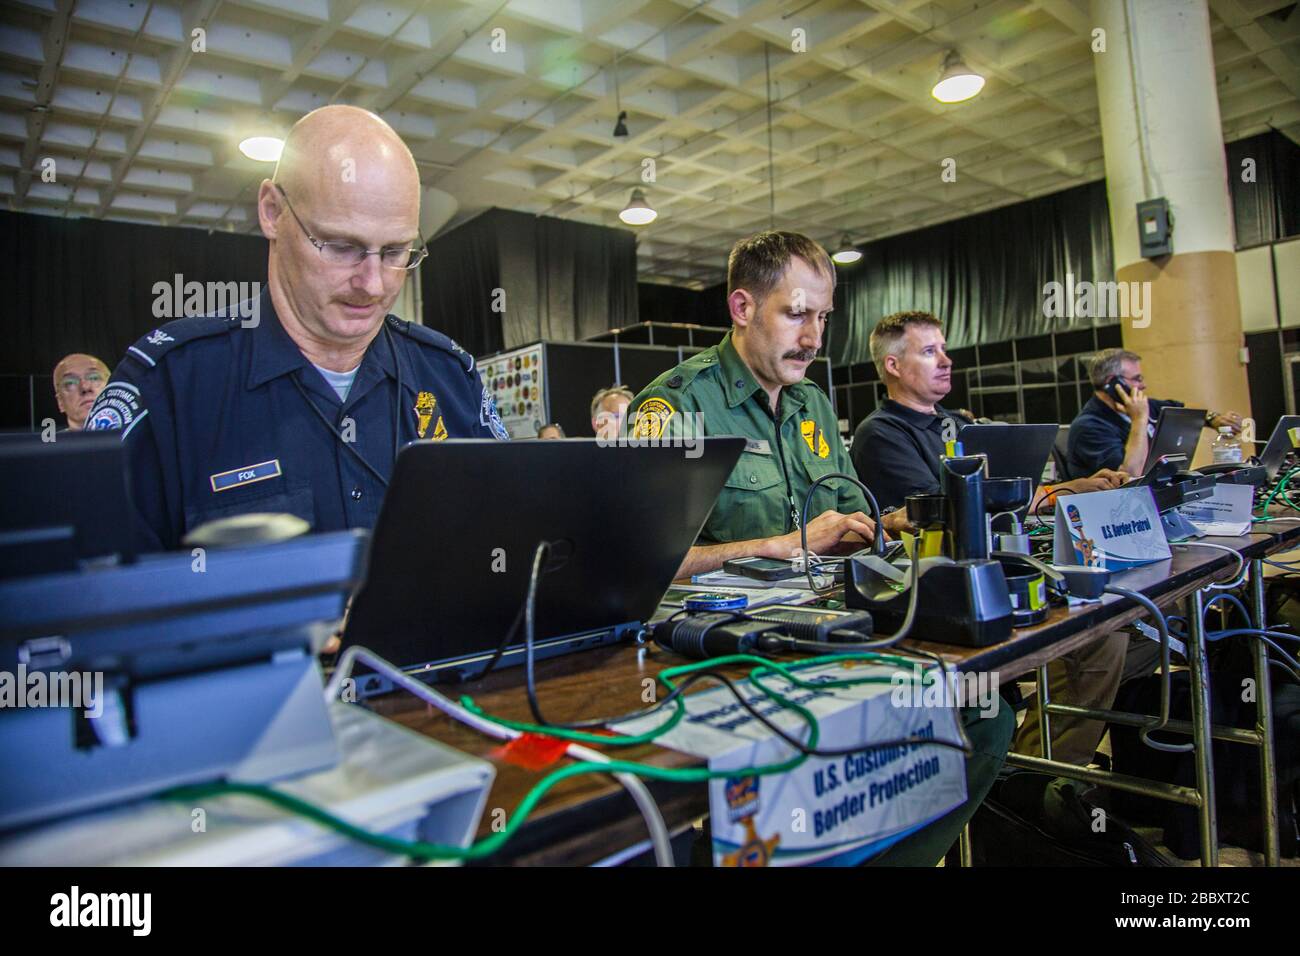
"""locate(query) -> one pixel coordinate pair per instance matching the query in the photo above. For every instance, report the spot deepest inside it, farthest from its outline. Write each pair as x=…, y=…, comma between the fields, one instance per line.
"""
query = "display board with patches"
x=516, y=380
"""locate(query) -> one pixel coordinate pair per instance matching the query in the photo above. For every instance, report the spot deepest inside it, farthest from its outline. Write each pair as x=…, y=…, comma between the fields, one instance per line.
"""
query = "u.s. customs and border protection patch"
x=424, y=405
x=118, y=407
x=815, y=437
x=652, y=418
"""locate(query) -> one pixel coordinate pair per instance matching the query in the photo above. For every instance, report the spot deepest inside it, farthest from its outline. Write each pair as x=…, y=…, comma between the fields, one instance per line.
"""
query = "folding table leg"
x=1204, y=744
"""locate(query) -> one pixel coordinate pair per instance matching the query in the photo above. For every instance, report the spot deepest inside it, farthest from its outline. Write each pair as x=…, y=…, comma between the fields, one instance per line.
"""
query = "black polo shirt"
x=1098, y=436
x=896, y=451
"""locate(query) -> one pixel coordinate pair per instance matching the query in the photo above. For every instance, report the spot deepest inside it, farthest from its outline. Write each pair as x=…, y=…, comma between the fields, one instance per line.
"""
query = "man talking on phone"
x=1114, y=429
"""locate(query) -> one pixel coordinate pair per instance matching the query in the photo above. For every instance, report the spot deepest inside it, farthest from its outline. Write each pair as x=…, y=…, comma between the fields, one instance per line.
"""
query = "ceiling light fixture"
x=264, y=149
x=957, y=81
x=847, y=253
x=638, y=212
x=620, y=128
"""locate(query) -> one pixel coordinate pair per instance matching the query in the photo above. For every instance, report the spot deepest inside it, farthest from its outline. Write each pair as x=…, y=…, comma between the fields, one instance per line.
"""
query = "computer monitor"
x=66, y=503
x=1279, y=443
x=1178, y=431
x=453, y=548
x=1014, y=451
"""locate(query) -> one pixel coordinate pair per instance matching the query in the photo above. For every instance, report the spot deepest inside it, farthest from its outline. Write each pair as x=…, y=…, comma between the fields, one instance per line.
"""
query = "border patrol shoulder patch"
x=652, y=418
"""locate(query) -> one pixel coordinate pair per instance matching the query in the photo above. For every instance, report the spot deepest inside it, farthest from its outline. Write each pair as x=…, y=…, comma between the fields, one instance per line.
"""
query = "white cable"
x=1239, y=574
x=659, y=837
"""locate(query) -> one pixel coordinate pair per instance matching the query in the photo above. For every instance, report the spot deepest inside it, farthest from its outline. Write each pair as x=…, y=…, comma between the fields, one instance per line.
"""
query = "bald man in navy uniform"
x=299, y=401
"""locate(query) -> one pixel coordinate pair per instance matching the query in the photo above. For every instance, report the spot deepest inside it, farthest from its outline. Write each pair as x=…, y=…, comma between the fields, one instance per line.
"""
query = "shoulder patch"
x=118, y=407
x=490, y=418
x=427, y=336
x=149, y=349
x=652, y=418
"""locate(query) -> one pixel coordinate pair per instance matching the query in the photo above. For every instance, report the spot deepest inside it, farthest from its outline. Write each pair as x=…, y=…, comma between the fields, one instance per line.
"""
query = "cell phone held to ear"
x=1111, y=388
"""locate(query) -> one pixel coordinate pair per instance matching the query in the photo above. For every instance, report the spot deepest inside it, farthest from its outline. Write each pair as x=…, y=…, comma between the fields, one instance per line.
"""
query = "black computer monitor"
x=66, y=503
x=453, y=549
x=1014, y=451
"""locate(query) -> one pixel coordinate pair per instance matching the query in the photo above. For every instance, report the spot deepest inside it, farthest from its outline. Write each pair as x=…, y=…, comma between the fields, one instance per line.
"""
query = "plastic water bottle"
x=1227, y=448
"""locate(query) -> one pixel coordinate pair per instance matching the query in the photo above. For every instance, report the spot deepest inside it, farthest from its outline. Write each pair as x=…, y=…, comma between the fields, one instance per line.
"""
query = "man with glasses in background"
x=78, y=380
x=302, y=407
x=1115, y=427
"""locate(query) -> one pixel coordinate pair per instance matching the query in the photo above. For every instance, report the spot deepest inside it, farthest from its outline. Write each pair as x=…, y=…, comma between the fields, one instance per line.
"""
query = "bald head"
x=340, y=149
x=344, y=177
x=78, y=380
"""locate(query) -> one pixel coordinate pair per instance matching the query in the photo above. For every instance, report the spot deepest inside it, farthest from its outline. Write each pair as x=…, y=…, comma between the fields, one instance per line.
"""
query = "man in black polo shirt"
x=896, y=453
x=1103, y=435
x=896, y=448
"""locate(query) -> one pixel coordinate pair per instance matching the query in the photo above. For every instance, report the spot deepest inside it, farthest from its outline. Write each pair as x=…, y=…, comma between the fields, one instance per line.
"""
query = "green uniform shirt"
x=786, y=453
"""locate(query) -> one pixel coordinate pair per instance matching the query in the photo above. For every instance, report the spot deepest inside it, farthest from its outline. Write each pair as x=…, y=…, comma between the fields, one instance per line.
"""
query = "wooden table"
x=590, y=818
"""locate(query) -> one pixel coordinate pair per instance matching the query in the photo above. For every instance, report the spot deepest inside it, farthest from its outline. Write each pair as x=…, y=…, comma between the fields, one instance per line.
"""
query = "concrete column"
x=1163, y=137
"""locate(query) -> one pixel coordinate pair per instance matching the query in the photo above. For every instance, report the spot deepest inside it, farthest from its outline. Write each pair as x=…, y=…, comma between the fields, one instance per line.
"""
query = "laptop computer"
x=1178, y=431
x=1279, y=443
x=1014, y=451
x=452, y=551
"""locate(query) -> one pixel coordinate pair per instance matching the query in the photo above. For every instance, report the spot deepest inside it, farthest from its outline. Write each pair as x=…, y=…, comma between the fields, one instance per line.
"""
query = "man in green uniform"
x=780, y=289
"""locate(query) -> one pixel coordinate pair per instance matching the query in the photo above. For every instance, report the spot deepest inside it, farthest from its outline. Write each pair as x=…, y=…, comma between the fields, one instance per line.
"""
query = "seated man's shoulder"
x=683, y=380
x=176, y=337
x=432, y=343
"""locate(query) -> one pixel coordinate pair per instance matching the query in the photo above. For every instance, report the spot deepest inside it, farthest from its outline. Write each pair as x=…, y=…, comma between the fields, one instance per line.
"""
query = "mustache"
x=801, y=355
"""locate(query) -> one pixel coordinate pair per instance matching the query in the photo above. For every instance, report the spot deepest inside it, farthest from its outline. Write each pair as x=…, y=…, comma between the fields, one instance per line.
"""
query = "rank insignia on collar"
x=424, y=404
x=815, y=438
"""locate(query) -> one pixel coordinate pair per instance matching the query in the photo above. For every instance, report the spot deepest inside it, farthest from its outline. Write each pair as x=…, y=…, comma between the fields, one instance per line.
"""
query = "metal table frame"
x=1201, y=729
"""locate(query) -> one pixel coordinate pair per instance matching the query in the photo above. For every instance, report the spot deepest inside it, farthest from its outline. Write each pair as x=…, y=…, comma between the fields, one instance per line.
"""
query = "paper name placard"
x=1226, y=513
x=1109, y=529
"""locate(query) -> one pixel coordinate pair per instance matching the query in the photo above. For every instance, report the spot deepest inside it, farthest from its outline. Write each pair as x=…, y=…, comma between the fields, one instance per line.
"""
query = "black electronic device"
x=1013, y=451
x=1279, y=445
x=66, y=503
x=962, y=598
x=960, y=602
x=1111, y=388
x=1178, y=431
x=1172, y=484
x=1236, y=473
x=762, y=569
x=448, y=577
x=815, y=623
x=716, y=634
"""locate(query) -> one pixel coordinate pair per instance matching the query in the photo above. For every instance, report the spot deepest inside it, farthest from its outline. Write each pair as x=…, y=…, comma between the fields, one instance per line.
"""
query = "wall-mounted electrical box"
x=1155, y=228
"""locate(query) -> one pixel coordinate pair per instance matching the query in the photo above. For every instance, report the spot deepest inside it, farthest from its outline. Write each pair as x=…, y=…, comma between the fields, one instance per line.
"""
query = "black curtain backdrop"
x=983, y=275
x=1267, y=209
x=670, y=303
x=560, y=280
x=82, y=285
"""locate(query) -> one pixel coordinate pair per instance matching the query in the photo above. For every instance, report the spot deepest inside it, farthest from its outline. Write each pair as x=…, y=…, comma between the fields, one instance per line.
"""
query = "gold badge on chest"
x=815, y=437
x=424, y=406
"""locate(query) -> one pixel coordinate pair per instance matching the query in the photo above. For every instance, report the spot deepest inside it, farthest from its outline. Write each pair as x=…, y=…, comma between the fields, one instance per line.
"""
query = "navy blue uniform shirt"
x=221, y=419
x=1098, y=436
x=896, y=451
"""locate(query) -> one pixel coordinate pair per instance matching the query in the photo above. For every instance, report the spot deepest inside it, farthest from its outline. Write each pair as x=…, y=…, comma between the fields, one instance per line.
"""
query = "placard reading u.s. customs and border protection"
x=1109, y=529
x=828, y=811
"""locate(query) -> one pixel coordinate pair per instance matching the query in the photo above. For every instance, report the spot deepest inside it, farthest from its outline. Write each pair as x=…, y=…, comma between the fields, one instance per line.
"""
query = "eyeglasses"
x=342, y=252
x=72, y=382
